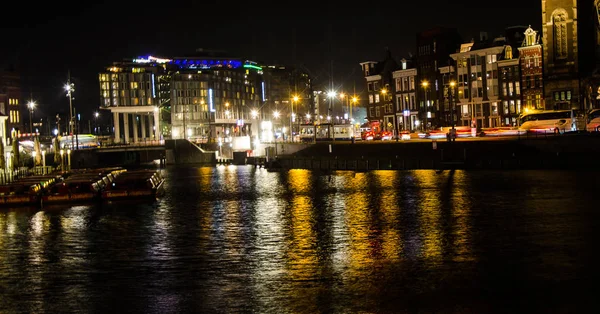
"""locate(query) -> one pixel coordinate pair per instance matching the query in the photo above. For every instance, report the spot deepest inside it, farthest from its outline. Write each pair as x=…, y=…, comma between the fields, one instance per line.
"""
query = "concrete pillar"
x=157, y=126
x=143, y=118
x=117, y=127
x=135, y=127
x=126, y=127
x=151, y=127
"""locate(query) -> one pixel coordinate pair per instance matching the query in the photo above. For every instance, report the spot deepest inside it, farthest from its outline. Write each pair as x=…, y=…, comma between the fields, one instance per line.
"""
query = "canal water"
x=240, y=239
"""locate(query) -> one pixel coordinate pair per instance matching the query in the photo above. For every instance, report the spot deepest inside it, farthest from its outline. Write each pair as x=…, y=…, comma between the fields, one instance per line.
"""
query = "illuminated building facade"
x=201, y=96
x=433, y=47
x=11, y=123
x=570, y=44
x=477, y=82
x=447, y=79
x=289, y=93
x=407, y=109
x=509, y=80
x=532, y=72
x=134, y=92
x=380, y=94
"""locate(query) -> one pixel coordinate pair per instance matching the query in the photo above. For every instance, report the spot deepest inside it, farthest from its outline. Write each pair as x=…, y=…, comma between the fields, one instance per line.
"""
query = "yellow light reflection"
x=206, y=178
x=430, y=213
x=299, y=180
x=461, y=212
x=302, y=254
x=40, y=225
x=359, y=225
x=391, y=240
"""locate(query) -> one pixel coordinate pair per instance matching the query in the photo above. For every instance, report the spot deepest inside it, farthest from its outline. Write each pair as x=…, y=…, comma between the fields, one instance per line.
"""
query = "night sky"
x=45, y=41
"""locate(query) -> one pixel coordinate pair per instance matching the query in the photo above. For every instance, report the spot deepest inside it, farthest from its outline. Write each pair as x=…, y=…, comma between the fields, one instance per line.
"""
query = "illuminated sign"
x=151, y=59
x=251, y=66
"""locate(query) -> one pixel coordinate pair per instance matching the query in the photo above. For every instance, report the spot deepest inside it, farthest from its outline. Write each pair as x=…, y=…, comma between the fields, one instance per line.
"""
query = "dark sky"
x=46, y=40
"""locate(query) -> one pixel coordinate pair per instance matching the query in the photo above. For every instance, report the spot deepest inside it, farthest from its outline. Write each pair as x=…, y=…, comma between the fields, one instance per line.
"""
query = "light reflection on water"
x=231, y=239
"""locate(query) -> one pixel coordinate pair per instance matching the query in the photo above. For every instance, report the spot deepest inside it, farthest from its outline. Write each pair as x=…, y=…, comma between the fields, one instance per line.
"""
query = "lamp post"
x=452, y=103
x=452, y=109
x=62, y=160
x=43, y=162
x=293, y=117
x=96, y=115
x=31, y=105
x=353, y=102
x=425, y=84
x=70, y=88
x=331, y=94
x=275, y=117
x=69, y=158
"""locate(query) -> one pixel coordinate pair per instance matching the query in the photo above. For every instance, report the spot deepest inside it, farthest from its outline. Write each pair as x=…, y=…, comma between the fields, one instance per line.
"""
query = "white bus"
x=84, y=141
x=593, y=121
x=326, y=132
x=556, y=121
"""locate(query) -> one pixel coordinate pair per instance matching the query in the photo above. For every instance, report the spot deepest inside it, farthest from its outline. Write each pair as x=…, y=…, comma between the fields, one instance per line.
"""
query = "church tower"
x=568, y=46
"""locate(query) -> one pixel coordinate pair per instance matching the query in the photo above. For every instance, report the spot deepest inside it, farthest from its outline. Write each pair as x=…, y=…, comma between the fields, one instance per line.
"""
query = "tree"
x=2, y=160
x=15, y=152
x=57, y=157
x=38, y=152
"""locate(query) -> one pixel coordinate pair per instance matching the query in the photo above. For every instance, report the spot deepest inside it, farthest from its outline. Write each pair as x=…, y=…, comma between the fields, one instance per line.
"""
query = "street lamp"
x=43, y=162
x=353, y=102
x=452, y=110
x=31, y=105
x=452, y=104
x=70, y=88
x=69, y=157
x=96, y=115
x=295, y=99
x=425, y=84
x=62, y=160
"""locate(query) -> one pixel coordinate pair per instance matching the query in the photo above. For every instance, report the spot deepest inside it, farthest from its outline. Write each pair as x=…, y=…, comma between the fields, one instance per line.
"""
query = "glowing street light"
x=70, y=88
x=425, y=84
x=254, y=113
x=31, y=105
x=276, y=114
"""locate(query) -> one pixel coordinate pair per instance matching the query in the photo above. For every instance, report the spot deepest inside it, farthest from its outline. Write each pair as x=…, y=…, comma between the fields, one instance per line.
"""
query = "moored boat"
x=26, y=191
x=83, y=186
x=19, y=193
x=135, y=184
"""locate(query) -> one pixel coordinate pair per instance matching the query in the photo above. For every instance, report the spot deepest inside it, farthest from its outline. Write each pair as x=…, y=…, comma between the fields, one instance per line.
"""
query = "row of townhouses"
x=489, y=82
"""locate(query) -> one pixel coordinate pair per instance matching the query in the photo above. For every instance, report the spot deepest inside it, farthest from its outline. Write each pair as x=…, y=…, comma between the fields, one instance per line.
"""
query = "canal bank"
x=576, y=151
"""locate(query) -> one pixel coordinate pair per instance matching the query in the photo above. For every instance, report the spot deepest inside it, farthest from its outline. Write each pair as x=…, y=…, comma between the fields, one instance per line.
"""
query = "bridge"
x=134, y=154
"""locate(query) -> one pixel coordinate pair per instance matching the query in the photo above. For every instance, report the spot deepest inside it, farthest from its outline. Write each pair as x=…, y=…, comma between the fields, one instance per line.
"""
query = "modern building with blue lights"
x=203, y=97
x=200, y=96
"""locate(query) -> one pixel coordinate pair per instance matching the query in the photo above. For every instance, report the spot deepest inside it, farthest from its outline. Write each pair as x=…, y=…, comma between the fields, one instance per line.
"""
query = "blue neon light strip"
x=153, y=88
x=263, y=90
x=210, y=100
x=207, y=63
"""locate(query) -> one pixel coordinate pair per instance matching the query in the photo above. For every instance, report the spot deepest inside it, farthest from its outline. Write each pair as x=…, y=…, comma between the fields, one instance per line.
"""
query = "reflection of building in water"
x=430, y=210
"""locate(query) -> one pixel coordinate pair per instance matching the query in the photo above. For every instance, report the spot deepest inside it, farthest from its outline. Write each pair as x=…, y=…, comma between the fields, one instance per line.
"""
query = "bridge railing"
x=136, y=144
